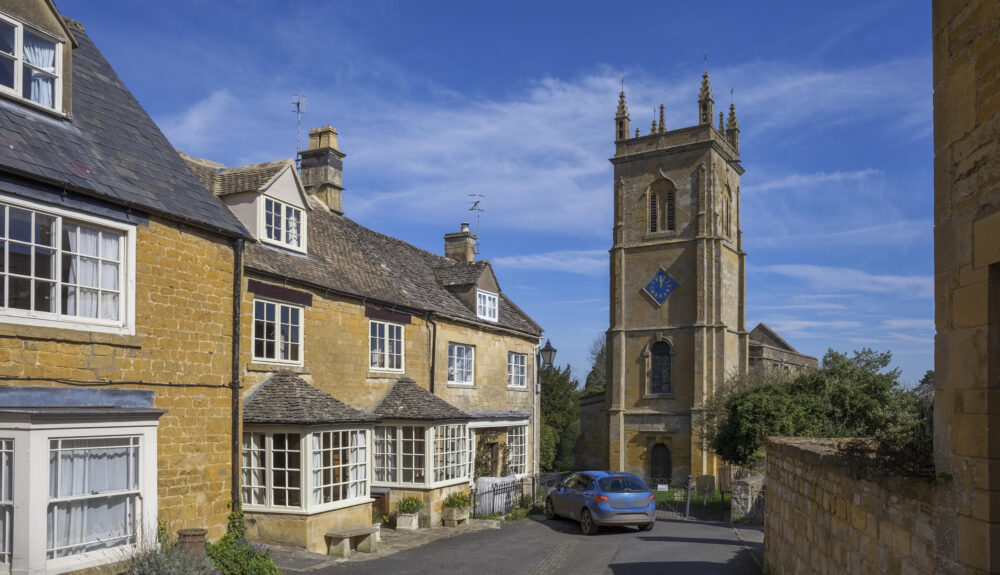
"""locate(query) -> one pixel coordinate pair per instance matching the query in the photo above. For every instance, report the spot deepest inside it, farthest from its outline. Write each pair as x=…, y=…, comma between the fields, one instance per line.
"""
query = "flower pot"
x=454, y=516
x=407, y=521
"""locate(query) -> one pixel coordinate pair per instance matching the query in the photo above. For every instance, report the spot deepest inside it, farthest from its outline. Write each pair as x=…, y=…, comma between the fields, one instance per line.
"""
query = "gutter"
x=234, y=383
x=430, y=319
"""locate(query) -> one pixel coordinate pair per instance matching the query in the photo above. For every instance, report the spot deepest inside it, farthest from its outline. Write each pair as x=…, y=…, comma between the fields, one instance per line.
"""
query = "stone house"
x=117, y=269
x=421, y=369
x=769, y=350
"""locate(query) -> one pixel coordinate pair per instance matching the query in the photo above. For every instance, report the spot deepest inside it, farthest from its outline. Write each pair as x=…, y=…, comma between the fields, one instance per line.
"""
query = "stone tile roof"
x=287, y=399
x=223, y=181
x=763, y=334
x=407, y=400
x=349, y=258
x=457, y=274
x=109, y=148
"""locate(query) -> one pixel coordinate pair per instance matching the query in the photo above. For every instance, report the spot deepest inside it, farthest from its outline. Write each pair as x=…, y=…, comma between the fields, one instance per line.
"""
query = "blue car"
x=596, y=498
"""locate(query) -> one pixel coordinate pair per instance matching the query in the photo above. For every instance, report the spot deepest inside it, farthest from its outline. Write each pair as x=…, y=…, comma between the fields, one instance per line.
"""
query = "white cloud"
x=853, y=280
x=586, y=262
x=202, y=124
x=812, y=179
x=809, y=233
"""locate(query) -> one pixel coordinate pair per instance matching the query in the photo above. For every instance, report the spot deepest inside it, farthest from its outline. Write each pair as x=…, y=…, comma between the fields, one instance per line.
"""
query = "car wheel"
x=646, y=527
x=550, y=510
x=587, y=524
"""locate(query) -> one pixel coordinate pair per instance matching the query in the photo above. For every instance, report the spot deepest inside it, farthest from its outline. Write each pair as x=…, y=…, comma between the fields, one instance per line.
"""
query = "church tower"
x=677, y=291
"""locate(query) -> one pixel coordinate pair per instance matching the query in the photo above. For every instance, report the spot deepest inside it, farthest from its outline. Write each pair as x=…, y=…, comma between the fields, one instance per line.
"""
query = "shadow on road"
x=743, y=562
x=694, y=540
x=569, y=526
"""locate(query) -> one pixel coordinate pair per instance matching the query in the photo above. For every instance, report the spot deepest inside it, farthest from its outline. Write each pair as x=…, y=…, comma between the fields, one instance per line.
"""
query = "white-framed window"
x=461, y=363
x=486, y=305
x=516, y=449
x=277, y=332
x=422, y=455
x=517, y=370
x=385, y=344
x=310, y=472
x=451, y=452
x=30, y=64
x=283, y=224
x=67, y=270
x=93, y=482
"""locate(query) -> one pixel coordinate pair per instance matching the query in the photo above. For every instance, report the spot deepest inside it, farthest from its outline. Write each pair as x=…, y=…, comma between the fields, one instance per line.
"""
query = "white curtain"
x=41, y=54
x=92, y=467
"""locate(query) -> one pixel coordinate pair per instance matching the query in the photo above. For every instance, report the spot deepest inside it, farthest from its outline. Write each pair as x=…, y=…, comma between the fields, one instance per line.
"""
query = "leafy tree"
x=925, y=387
x=560, y=410
x=598, y=359
x=847, y=397
x=548, y=442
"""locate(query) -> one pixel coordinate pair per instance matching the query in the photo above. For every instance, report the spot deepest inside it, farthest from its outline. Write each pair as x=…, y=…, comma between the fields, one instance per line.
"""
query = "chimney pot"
x=322, y=167
x=461, y=246
x=465, y=226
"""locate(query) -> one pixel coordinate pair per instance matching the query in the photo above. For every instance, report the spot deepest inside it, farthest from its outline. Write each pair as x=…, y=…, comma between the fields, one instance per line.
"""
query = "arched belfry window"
x=662, y=206
x=659, y=367
x=727, y=214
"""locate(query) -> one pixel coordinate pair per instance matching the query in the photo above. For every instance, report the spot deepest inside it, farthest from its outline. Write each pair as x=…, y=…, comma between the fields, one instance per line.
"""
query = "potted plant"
x=377, y=520
x=407, y=509
x=456, y=509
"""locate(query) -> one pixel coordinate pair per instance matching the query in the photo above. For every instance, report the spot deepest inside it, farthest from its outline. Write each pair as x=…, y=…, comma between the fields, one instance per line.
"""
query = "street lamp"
x=548, y=354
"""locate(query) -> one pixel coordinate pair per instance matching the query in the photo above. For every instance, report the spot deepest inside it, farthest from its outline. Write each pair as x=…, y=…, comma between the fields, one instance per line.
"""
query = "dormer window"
x=284, y=224
x=30, y=64
x=486, y=305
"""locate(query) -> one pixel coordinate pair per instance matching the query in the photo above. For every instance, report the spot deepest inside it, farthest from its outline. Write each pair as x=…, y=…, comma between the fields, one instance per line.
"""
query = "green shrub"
x=457, y=500
x=526, y=502
x=167, y=560
x=377, y=516
x=409, y=505
x=517, y=513
x=234, y=555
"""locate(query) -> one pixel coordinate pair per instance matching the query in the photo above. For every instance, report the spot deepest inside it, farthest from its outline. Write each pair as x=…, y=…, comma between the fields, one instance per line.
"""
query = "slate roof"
x=407, y=400
x=109, y=149
x=286, y=398
x=223, y=181
x=349, y=258
x=763, y=334
x=456, y=274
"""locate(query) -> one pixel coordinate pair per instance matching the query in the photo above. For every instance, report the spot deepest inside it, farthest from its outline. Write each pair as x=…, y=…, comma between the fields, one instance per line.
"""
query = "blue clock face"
x=660, y=287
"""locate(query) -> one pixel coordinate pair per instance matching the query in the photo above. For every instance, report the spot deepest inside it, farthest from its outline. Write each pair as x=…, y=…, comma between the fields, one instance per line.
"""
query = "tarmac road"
x=539, y=546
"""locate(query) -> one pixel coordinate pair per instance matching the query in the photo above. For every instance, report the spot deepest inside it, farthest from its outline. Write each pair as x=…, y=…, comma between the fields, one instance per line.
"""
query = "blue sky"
x=515, y=101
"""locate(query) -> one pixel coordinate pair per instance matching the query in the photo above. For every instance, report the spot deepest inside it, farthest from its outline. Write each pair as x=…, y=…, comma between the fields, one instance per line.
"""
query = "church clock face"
x=660, y=287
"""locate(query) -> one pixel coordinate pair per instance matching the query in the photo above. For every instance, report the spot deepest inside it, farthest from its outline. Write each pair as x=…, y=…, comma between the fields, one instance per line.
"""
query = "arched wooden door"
x=659, y=462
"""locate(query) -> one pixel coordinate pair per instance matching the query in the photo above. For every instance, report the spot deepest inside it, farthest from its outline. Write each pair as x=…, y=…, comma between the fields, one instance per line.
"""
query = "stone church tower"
x=677, y=289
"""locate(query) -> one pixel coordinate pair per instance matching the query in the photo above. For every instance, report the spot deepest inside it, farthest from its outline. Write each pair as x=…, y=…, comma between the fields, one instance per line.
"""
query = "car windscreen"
x=622, y=485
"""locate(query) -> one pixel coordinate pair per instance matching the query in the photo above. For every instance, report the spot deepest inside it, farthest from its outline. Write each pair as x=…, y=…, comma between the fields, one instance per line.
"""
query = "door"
x=659, y=464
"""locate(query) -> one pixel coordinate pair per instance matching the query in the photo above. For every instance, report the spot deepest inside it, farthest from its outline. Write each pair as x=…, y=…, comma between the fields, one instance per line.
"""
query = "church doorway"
x=659, y=463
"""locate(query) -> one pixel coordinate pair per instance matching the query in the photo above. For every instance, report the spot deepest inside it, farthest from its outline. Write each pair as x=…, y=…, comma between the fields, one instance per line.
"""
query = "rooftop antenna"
x=298, y=108
x=475, y=205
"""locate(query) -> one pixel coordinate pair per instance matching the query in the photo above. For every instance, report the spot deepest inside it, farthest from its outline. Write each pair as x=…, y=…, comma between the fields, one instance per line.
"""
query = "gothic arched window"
x=662, y=202
x=659, y=368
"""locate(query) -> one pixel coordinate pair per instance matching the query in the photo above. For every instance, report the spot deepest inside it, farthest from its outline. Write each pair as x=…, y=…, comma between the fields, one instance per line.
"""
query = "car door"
x=562, y=493
x=574, y=499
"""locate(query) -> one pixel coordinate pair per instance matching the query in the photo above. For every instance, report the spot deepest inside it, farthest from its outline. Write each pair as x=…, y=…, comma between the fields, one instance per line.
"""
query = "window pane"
x=20, y=293
x=20, y=225
x=87, y=272
x=109, y=276
x=109, y=306
x=45, y=296
x=20, y=259
x=45, y=263
x=6, y=71
x=7, y=38
x=39, y=52
x=109, y=246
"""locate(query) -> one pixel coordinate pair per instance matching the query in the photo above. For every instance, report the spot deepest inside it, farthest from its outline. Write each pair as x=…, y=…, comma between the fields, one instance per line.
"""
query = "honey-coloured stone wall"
x=184, y=283
x=820, y=519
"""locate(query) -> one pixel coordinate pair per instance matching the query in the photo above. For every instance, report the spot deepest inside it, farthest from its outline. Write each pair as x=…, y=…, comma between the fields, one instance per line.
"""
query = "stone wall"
x=184, y=282
x=821, y=519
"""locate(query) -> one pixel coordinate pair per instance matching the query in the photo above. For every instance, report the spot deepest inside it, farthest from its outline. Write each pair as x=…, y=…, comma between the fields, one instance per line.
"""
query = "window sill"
x=81, y=335
x=384, y=374
x=263, y=366
x=311, y=511
x=284, y=246
x=461, y=385
x=517, y=388
x=659, y=396
x=11, y=97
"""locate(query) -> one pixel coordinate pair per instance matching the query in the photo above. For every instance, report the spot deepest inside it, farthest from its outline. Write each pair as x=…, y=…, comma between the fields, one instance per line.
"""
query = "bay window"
x=61, y=269
x=312, y=471
x=30, y=64
x=409, y=454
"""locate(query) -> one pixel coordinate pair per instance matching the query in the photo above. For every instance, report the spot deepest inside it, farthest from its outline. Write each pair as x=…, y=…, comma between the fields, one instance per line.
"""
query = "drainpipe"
x=434, y=337
x=234, y=383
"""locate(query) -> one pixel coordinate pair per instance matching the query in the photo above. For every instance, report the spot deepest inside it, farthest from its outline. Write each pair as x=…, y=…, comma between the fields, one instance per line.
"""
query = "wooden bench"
x=341, y=543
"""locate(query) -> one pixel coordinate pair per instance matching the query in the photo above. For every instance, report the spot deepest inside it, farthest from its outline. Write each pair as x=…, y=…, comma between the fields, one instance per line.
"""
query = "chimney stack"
x=461, y=246
x=322, y=168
